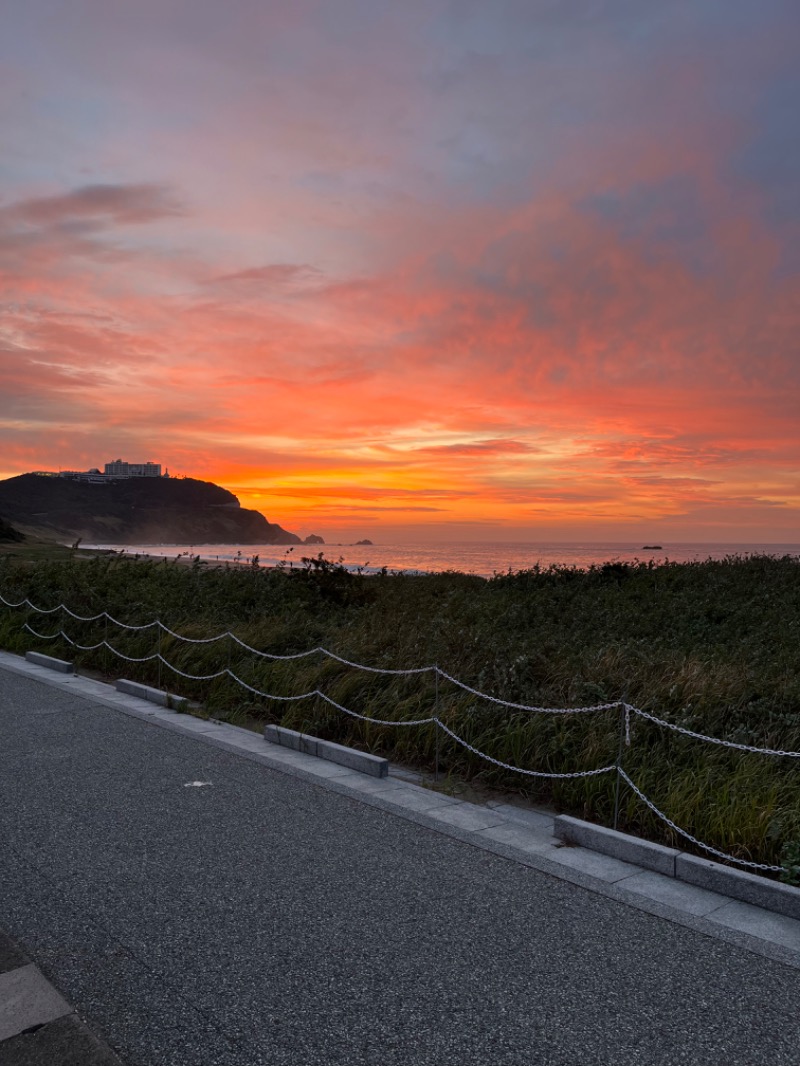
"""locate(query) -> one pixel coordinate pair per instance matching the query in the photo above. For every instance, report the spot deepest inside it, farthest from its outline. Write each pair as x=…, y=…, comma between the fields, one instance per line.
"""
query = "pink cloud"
x=109, y=204
x=441, y=306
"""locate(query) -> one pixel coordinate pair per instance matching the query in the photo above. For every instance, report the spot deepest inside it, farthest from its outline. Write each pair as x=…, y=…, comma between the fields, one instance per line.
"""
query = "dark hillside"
x=145, y=510
x=9, y=534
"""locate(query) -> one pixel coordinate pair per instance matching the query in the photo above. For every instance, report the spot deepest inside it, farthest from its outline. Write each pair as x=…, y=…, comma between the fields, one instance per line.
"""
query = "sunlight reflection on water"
x=482, y=558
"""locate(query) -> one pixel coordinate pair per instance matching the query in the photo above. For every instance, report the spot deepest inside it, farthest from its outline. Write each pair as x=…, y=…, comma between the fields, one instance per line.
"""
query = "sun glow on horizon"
x=530, y=269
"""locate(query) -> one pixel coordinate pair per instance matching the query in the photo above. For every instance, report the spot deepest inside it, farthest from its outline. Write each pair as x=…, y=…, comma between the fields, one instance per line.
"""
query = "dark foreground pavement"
x=256, y=919
x=37, y=1026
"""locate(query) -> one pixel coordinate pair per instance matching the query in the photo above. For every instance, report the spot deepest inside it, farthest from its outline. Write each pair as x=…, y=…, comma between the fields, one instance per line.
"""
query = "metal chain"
x=410, y=672
x=8, y=603
x=42, y=636
x=267, y=654
x=132, y=658
x=366, y=718
x=191, y=677
x=83, y=618
x=688, y=836
x=87, y=647
x=268, y=695
x=526, y=706
x=41, y=610
x=122, y=625
x=377, y=669
x=191, y=640
x=712, y=740
x=68, y=639
x=518, y=769
x=81, y=647
x=596, y=708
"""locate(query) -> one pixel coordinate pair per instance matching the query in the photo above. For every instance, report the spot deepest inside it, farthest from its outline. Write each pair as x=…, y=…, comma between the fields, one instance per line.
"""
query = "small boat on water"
x=652, y=548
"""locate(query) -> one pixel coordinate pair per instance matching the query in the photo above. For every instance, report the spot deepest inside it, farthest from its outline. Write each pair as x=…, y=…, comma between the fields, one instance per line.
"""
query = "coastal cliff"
x=135, y=510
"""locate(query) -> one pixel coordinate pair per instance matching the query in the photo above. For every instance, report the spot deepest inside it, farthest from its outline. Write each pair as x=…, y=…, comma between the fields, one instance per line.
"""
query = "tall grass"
x=711, y=646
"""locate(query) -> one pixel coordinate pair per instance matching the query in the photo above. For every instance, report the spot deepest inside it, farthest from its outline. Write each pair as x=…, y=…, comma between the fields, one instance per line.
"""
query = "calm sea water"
x=484, y=558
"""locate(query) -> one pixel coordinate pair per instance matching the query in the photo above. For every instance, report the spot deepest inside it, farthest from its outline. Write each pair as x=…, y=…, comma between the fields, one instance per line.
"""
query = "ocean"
x=484, y=558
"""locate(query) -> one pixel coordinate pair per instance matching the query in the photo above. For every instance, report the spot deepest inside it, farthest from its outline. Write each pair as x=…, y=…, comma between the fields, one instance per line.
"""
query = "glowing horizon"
x=418, y=270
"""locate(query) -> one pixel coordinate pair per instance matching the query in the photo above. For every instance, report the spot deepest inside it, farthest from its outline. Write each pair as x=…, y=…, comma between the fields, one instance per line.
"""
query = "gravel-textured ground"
x=258, y=919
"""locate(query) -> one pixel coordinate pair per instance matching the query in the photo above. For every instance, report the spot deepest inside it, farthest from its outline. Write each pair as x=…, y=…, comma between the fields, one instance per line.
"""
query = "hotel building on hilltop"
x=115, y=470
x=121, y=468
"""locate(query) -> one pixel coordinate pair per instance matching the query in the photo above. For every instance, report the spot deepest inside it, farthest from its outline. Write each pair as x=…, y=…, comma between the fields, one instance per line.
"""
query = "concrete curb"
x=619, y=845
x=27, y=1000
x=353, y=759
x=737, y=884
x=59, y=665
x=152, y=695
x=38, y=1027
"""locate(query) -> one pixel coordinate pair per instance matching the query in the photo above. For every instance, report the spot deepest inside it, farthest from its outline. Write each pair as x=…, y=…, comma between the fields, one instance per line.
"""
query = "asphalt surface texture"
x=37, y=1027
x=197, y=908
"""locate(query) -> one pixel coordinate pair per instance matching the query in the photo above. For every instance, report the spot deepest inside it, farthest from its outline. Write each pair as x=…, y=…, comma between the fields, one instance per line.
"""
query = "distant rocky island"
x=141, y=508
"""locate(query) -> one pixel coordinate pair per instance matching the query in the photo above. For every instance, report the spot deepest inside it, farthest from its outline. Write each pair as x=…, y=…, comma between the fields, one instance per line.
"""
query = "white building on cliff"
x=121, y=468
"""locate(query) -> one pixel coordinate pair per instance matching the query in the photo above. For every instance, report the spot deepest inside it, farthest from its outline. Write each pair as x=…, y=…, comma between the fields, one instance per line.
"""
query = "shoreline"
x=478, y=559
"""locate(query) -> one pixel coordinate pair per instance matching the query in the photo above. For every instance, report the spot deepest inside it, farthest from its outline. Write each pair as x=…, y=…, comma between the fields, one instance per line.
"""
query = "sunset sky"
x=407, y=269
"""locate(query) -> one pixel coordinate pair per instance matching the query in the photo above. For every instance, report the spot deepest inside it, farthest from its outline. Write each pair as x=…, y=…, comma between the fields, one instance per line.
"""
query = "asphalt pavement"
x=196, y=908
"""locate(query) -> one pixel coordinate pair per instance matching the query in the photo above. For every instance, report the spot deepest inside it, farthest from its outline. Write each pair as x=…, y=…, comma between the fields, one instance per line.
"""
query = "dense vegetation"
x=712, y=646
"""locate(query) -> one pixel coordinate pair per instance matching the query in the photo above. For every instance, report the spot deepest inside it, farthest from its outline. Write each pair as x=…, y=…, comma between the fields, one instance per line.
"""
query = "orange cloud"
x=488, y=295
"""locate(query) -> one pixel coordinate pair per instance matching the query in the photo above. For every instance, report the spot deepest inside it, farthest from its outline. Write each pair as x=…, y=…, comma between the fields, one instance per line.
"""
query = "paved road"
x=258, y=919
